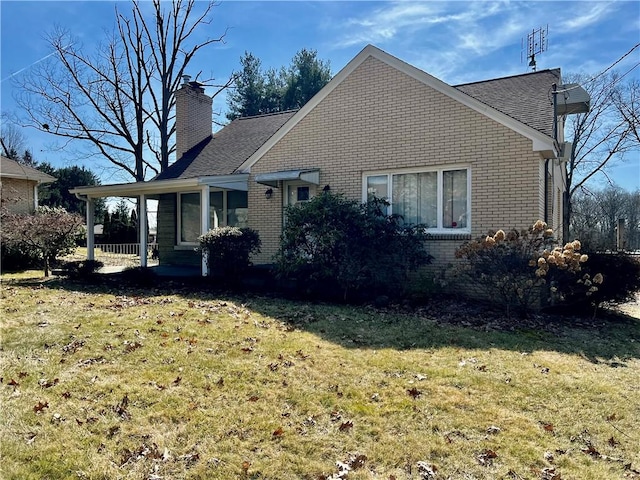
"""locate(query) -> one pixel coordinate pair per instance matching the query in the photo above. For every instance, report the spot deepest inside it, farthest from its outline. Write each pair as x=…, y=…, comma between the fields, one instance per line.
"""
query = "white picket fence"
x=124, y=254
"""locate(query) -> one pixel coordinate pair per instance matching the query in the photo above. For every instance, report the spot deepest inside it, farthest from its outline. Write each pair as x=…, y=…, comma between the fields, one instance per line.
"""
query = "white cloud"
x=580, y=15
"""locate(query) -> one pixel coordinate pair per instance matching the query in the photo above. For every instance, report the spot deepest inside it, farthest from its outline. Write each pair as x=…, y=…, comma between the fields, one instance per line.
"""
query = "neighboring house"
x=462, y=160
x=19, y=186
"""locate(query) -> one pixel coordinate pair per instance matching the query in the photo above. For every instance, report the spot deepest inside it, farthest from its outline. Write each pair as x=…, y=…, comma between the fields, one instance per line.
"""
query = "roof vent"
x=185, y=80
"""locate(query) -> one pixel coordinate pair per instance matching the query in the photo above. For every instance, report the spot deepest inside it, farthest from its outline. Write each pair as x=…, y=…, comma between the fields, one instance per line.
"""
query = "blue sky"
x=456, y=41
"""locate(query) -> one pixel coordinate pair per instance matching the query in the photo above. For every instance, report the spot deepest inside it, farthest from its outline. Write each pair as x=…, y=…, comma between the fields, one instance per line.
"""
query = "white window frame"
x=440, y=230
x=222, y=221
x=179, y=217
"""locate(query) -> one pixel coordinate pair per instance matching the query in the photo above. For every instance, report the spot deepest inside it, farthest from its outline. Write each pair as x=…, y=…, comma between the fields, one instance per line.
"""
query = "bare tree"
x=12, y=139
x=120, y=98
x=600, y=136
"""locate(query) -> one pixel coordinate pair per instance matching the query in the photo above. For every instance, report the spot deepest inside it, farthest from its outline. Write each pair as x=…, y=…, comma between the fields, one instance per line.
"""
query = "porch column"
x=91, y=220
x=204, y=223
x=142, y=226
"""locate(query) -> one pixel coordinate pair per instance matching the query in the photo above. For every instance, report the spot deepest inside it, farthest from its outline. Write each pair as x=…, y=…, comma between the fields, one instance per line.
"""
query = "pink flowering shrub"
x=524, y=270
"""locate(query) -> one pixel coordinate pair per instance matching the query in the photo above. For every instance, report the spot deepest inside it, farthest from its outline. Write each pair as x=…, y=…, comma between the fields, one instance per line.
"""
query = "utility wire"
x=605, y=70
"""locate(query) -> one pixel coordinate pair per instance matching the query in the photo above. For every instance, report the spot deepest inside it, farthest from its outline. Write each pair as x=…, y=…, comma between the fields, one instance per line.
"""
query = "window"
x=189, y=218
x=226, y=207
x=438, y=199
x=237, y=209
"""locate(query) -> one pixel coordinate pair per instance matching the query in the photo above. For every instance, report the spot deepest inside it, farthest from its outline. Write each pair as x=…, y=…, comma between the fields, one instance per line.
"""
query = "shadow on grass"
x=612, y=338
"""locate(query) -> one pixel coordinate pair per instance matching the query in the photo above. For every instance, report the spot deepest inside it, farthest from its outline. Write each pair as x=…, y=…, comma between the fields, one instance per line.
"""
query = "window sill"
x=449, y=235
x=187, y=246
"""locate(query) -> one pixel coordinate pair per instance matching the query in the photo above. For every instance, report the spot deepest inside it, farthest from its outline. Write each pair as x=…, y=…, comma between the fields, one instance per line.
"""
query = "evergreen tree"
x=247, y=99
x=257, y=92
x=27, y=159
x=57, y=194
x=306, y=77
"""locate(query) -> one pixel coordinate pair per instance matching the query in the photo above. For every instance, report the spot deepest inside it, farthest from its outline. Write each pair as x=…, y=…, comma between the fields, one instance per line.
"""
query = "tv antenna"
x=536, y=44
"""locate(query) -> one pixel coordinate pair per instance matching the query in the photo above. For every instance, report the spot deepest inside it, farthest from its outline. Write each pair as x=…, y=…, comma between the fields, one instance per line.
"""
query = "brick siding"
x=17, y=195
x=381, y=119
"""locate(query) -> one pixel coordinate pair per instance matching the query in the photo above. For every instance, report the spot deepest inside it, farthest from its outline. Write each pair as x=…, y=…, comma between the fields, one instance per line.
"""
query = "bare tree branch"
x=119, y=99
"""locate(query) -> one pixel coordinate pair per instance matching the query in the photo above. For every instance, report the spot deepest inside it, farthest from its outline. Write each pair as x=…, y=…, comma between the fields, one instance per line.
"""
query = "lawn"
x=108, y=381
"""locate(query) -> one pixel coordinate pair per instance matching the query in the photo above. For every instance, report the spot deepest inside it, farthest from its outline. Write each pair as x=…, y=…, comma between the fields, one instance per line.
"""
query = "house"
x=460, y=159
x=19, y=186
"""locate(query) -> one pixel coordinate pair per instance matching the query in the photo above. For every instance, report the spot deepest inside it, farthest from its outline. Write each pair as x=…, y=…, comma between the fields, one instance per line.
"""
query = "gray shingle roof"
x=223, y=152
x=526, y=98
x=12, y=169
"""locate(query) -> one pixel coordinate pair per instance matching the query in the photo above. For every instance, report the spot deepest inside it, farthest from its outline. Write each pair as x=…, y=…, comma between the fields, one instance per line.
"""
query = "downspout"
x=90, y=225
x=546, y=190
x=546, y=161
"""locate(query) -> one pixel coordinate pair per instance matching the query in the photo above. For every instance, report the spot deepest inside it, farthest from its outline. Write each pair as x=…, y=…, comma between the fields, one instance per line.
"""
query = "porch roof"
x=237, y=181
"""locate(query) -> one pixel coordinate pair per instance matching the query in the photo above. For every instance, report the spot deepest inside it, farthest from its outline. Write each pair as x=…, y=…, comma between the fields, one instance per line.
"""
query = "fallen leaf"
x=13, y=383
x=121, y=408
x=550, y=473
x=414, y=392
x=548, y=427
x=177, y=380
x=591, y=450
x=612, y=417
x=486, y=457
x=427, y=471
x=356, y=460
x=613, y=442
x=245, y=466
x=279, y=432
x=254, y=398
x=44, y=383
x=40, y=406
x=345, y=426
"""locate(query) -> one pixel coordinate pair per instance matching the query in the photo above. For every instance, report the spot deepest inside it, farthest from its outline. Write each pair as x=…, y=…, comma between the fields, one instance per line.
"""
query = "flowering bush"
x=527, y=269
x=228, y=250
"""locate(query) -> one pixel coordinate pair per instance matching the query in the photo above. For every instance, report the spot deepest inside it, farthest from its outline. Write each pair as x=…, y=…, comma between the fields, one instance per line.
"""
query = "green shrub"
x=228, y=251
x=335, y=246
x=82, y=269
x=15, y=258
x=528, y=269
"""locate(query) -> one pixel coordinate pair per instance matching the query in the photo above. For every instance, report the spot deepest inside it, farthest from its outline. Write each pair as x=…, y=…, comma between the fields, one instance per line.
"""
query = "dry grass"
x=102, y=383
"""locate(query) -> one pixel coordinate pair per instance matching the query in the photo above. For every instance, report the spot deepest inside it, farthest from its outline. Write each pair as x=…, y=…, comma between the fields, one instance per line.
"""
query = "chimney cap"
x=186, y=79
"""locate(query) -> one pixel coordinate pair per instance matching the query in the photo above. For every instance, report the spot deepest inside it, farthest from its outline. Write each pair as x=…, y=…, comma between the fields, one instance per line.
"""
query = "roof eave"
x=541, y=142
x=154, y=187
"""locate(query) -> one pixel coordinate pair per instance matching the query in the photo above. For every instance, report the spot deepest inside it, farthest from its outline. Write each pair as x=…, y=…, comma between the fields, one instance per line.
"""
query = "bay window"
x=438, y=199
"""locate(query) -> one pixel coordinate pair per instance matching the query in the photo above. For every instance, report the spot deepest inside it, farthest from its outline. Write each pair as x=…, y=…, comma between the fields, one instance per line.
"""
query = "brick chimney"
x=194, y=110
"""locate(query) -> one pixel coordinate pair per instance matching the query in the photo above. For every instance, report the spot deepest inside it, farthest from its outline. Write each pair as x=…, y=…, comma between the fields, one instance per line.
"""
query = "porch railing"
x=124, y=254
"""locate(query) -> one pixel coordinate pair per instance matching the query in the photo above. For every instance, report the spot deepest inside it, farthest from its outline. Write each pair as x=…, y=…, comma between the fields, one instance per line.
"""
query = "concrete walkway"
x=160, y=270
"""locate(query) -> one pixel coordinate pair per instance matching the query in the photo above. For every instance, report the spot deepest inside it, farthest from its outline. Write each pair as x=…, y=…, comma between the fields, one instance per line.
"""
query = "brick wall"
x=193, y=117
x=379, y=118
x=17, y=195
